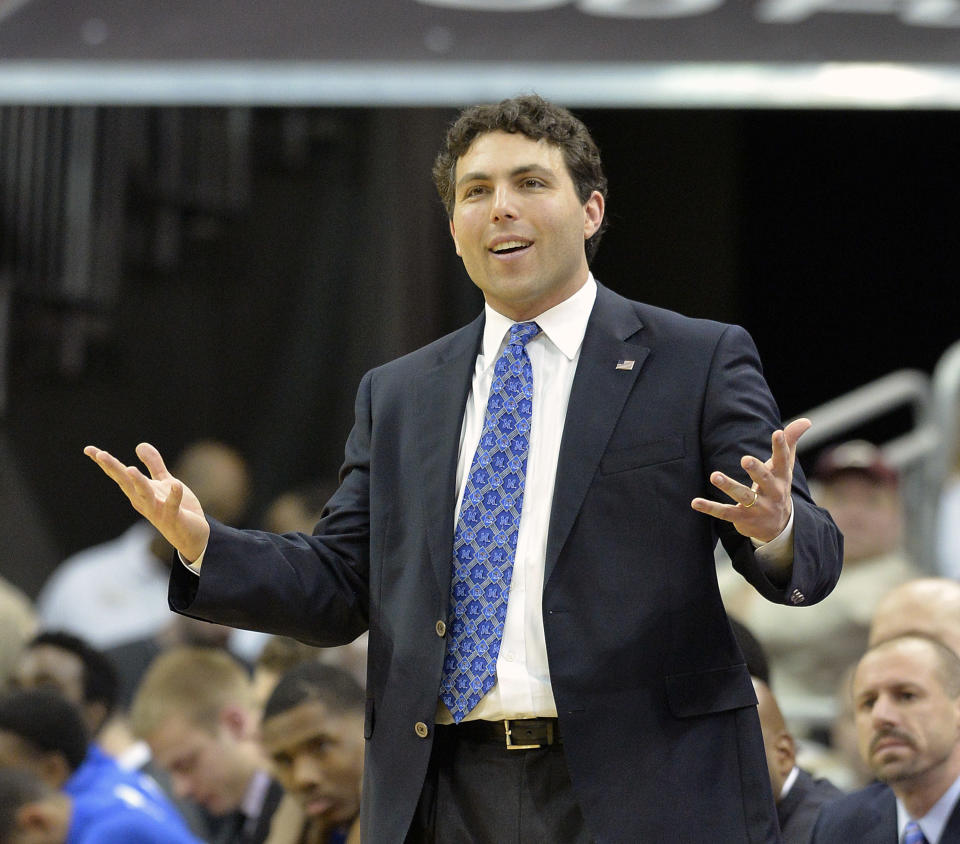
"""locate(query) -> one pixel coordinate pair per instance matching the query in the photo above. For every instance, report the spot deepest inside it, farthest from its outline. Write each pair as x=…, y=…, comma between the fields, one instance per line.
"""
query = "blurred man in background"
x=313, y=733
x=195, y=709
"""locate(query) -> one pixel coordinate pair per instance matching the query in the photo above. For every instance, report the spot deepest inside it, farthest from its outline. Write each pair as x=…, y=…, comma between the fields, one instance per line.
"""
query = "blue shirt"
x=123, y=816
x=100, y=774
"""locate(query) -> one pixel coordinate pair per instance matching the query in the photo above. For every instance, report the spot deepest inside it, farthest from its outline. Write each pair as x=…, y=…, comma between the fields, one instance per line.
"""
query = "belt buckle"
x=511, y=746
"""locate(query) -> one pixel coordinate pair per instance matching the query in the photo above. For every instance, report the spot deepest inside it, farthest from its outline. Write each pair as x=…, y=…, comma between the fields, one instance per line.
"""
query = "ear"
x=786, y=753
x=453, y=234
x=592, y=214
x=36, y=819
x=236, y=721
x=95, y=716
x=54, y=769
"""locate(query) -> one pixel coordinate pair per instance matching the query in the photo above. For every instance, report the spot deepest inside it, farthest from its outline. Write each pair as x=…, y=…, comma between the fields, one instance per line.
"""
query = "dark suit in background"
x=656, y=706
x=869, y=816
x=798, y=811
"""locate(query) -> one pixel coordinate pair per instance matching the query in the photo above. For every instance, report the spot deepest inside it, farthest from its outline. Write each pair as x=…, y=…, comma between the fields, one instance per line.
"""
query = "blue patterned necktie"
x=912, y=834
x=485, y=539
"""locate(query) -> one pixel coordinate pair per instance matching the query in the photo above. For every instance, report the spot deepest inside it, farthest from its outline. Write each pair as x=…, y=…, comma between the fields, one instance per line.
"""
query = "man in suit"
x=799, y=795
x=556, y=674
x=906, y=695
x=195, y=710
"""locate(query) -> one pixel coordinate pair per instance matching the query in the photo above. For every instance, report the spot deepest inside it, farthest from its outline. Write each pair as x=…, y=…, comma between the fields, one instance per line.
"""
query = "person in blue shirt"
x=31, y=812
x=42, y=732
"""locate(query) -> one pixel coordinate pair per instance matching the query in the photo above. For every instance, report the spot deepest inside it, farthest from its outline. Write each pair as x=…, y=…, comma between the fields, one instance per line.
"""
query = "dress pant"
x=480, y=791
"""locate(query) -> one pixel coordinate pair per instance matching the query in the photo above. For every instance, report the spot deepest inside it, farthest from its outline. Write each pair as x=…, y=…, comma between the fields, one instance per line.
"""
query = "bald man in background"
x=928, y=605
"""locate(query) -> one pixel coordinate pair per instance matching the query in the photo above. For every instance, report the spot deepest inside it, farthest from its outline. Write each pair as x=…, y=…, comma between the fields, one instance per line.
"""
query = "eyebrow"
x=479, y=175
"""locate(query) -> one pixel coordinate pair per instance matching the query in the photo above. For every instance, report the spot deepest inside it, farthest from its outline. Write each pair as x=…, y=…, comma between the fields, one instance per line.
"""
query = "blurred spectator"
x=32, y=812
x=117, y=592
x=132, y=659
x=798, y=795
x=928, y=605
x=85, y=678
x=80, y=673
x=906, y=698
x=18, y=623
x=278, y=656
x=313, y=731
x=195, y=709
x=44, y=733
x=810, y=648
x=298, y=509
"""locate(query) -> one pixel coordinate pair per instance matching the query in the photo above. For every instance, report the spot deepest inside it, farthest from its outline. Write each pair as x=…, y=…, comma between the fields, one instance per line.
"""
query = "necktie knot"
x=523, y=332
x=912, y=834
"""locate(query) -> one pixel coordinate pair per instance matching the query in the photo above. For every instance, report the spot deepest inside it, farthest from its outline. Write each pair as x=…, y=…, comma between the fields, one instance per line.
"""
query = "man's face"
x=17, y=753
x=519, y=225
x=907, y=726
x=47, y=666
x=866, y=511
x=318, y=757
x=208, y=766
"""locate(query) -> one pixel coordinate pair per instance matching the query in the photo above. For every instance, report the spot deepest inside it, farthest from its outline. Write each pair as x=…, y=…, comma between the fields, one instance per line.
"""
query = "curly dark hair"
x=533, y=116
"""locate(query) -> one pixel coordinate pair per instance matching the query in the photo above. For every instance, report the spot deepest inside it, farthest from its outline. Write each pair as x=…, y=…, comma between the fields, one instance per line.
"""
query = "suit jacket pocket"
x=715, y=690
x=645, y=454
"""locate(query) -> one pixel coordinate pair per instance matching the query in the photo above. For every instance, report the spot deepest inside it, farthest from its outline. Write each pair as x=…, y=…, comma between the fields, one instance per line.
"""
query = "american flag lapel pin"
x=625, y=364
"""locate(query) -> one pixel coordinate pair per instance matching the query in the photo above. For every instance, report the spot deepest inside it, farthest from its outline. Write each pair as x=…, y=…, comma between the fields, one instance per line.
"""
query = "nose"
x=181, y=786
x=305, y=772
x=503, y=206
x=884, y=713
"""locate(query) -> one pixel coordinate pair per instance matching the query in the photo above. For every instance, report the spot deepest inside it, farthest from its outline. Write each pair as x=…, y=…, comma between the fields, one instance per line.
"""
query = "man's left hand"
x=760, y=511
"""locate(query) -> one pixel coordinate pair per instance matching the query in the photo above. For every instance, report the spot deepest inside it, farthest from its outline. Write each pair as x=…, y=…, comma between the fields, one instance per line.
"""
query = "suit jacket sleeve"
x=737, y=395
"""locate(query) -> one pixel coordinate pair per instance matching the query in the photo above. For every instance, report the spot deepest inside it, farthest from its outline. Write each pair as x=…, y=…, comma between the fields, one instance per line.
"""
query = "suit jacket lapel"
x=442, y=391
x=596, y=401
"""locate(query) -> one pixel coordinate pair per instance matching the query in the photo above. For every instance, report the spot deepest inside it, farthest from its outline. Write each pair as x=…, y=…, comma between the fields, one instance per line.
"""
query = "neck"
x=920, y=794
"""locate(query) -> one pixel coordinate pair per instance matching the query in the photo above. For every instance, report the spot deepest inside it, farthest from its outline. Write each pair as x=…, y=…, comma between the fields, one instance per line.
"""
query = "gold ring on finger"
x=756, y=495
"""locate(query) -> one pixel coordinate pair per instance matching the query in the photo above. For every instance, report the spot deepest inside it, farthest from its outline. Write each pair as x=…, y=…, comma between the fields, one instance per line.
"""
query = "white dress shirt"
x=934, y=822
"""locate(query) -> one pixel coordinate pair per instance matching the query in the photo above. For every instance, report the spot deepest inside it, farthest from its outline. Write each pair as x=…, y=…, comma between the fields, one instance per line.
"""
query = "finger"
x=795, y=430
x=739, y=492
x=785, y=447
x=172, y=505
x=759, y=472
x=112, y=467
x=151, y=458
x=727, y=512
x=141, y=483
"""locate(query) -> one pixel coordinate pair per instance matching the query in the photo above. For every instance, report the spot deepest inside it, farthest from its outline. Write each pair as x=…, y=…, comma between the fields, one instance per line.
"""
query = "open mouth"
x=510, y=247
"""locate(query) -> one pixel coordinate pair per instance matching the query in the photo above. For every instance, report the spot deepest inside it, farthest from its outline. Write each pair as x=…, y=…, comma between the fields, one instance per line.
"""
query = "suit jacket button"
x=421, y=729
x=441, y=629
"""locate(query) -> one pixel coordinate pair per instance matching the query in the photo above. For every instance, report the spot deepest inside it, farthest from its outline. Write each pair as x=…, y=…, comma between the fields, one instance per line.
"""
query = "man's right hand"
x=161, y=499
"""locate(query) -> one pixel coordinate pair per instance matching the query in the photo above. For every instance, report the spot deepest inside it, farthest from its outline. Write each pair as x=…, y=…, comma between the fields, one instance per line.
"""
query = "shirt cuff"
x=777, y=554
x=195, y=565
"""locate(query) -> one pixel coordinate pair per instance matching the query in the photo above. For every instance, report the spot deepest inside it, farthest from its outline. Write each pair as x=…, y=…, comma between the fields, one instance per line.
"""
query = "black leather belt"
x=513, y=734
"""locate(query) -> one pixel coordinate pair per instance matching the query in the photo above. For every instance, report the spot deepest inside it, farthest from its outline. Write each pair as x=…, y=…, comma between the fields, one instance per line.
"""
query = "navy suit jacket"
x=869, y=816
x=656, y=705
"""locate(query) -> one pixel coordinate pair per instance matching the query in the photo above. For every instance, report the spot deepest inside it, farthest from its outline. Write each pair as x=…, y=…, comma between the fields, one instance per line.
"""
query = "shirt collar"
x=934, y=822
x=564, y=324
x=788, y=783
x=255, y=794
